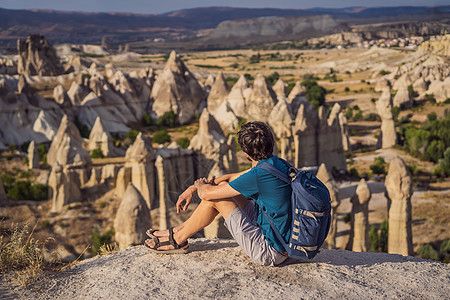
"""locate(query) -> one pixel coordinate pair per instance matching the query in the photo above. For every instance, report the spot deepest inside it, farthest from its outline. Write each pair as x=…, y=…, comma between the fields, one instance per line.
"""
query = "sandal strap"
x=173, y=242
x=171, y=239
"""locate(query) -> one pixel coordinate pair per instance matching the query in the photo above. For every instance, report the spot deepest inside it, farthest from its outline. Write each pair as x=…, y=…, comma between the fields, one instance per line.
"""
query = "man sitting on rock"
x=241, y=198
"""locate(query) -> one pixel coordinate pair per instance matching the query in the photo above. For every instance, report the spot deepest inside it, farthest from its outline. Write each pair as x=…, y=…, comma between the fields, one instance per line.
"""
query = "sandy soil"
x=220, y=269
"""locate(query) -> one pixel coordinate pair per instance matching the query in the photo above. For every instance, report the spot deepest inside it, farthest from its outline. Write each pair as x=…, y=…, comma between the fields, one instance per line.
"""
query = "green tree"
x=428, y=252
x=432, y=116
x=130, y=136
x=374, y=239
x=445, y=246
x=161, y=137
x=395, y=112
x=417, y=140
x=379, y=166
x=444, y=163
x=314, y=92
x=411, y=91
x=146, y=120
x=21, y=190
x=183, y=142
x=435, y=150
x=384, y=232
x=97, y=153
x=42, y=153
x=39, y=192
x=272, y=78
x=168, y=119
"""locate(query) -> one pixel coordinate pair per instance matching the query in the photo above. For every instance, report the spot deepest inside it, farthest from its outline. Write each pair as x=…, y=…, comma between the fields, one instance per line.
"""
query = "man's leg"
x=240, y=201
x=202, y=216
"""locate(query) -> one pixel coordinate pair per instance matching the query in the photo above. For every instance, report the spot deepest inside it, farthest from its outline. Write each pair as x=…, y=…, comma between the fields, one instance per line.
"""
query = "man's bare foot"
x=162, y=233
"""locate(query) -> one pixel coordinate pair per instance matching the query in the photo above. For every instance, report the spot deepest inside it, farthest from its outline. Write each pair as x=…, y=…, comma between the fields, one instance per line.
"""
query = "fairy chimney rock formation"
x=344, y=132
x=324, y=175
x=47, y=124
x=163, y=189
x=176, y=89
x=101, y=139
x=60, y=95
x=209, y=81
x=382, y=84
x=297, y=97
x=403, y=98
x=140, y=159
x=66, y=147
x=261, y=100
x=70, y=164
x=281, y=121
x=297, y=91
x=360, y=217
x=226, y=117
x=132, y=219
x=217, y=94
x=388, y=136
x=236, y=97
x=22, y=85
x=212, y=148
x=331, y=151
x=33, y=160
x=280, y=89
x=305, y=136
x=399, y=186
x=37, y=57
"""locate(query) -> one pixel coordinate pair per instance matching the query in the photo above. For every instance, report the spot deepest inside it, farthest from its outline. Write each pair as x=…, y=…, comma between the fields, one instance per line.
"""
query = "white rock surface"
x=220, y=269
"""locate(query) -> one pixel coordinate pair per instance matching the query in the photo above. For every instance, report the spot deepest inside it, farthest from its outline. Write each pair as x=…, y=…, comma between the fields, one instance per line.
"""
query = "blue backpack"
x=311, y=206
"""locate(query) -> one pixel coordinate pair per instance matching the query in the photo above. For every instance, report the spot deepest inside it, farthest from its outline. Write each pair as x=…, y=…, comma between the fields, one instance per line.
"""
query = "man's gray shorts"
x=242, y=226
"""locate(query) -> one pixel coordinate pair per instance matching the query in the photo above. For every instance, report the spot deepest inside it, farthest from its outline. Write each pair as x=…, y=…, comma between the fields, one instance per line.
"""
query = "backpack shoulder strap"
x=274, y=171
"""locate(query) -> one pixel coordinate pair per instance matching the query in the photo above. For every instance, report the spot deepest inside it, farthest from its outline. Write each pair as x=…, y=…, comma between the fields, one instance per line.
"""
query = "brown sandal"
x=178, y=248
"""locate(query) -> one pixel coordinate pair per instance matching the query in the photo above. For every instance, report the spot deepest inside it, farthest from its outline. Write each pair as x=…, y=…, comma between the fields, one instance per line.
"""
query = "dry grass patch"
x=22, y=256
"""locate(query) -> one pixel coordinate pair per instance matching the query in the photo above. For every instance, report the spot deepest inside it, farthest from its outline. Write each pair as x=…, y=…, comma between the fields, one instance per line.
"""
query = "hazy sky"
x=160, y=6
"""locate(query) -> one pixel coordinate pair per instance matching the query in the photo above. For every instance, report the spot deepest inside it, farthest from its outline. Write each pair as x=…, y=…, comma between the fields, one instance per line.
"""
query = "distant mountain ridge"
x=82, y=27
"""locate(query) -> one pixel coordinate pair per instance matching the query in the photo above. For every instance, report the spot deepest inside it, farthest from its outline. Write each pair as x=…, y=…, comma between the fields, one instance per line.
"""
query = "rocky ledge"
x=219, y=269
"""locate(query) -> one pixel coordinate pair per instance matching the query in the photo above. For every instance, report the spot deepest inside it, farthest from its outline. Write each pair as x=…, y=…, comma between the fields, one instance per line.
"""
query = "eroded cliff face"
x=271, y=28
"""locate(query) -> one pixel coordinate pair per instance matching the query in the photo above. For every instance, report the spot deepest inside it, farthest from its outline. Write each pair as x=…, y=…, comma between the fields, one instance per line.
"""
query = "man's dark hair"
x=256, y=139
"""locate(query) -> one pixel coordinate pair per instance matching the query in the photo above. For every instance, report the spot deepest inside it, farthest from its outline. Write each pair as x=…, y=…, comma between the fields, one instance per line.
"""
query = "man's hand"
x=187, y=197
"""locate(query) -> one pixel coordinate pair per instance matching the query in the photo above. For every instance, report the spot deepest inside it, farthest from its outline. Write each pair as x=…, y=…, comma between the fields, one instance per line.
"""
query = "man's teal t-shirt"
x=272, y=195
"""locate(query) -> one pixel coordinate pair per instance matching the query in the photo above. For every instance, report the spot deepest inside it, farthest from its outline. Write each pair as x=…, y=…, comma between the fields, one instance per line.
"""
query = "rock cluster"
x=216, y=154
x=176, y=89
x=37, y=57
x=219, y=90
x=426, y=74
x=70, y=164
x=99, y=138
x=318, y=139
x=140, y=162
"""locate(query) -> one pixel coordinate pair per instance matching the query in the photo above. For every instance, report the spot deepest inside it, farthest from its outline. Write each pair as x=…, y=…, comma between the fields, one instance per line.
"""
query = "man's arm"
x=207, y=191
x=228, y=177
x=189, y=193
